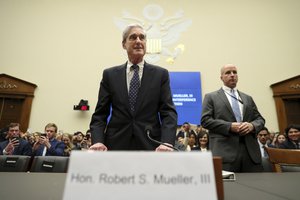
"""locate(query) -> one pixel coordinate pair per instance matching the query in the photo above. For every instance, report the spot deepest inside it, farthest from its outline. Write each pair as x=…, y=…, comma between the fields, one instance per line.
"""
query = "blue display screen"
x=186, y=92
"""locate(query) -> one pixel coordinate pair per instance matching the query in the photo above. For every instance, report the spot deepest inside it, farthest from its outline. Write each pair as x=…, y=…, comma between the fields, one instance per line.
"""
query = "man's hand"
x=164, y=148
x=235, y=127
x=9, y=149
x=44, y=140
x=246, y=128
x=98, y=147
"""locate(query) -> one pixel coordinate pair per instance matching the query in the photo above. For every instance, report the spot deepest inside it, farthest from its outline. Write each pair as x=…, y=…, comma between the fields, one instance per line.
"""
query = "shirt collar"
x=228, y=89
x=260, y=144
x=129, y=64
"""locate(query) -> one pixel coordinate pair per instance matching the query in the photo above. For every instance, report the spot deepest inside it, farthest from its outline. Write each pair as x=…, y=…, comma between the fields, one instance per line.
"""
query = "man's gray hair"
x=128, y=29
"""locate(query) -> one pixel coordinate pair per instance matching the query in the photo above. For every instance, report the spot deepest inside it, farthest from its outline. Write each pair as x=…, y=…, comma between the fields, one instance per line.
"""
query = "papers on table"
x=228, y=176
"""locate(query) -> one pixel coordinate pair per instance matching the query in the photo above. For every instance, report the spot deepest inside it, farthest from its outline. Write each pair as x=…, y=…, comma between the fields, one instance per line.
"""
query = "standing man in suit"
x=137, y=95
x=15, y=145
x=233, y=130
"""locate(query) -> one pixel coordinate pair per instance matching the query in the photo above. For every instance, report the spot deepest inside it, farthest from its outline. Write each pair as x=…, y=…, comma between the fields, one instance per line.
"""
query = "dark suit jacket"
x=126, y=130
x=181, y=134
x=217, y=116
x=56, y=149
x=24, y=148
x=288, y=144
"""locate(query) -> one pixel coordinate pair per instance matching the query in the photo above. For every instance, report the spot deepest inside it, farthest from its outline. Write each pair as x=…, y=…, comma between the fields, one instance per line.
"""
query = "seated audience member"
x=185, y=131
x=203, y=141
x=88, y=133
x=14, y=144
x=191, y=142
x=25, y=135
x=67, y=139
x=3, y=134
x=77, y=141
x=181, y=144
x=85, y=143
x=36, y=136
x=59, y=137
x=262, y=138
x=47, y=145
x=31, y=139
x=278, y=140
x=199, y=129
x=292, y=137
x=272, y=135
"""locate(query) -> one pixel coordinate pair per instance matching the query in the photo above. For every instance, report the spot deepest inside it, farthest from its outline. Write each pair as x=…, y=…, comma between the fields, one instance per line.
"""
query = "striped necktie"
x=235, y=107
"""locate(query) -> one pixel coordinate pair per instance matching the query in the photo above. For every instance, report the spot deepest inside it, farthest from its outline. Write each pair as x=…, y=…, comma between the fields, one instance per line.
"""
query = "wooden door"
x=10, y=110
x=286, y=94
x=15, y=101
x=292, y=107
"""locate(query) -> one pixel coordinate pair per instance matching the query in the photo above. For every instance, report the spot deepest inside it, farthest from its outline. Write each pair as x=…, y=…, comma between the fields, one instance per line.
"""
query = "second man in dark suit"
x=233, y=121
x=137, y=95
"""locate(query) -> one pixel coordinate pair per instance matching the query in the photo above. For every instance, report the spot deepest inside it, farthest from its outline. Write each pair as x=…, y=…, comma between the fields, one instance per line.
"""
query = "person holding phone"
x=15, y=145
x=47, y=144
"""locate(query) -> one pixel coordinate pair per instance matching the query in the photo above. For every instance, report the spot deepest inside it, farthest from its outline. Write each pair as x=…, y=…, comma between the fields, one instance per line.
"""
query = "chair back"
x=14, y=163
x=284, y=158
x=50, y=164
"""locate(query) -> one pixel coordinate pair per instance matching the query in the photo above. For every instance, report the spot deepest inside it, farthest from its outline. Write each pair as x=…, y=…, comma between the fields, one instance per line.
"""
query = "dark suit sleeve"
x=253, y=116
x=56, y=149
x=212, y=115
x=102, y=111
x=2, y=147
x=167, y=110
x=27, y=150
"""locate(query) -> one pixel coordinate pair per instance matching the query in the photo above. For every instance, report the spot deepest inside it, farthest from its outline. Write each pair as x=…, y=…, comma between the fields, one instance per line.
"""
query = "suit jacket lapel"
x=244, y=100
x=121, y=74
x=224, y=98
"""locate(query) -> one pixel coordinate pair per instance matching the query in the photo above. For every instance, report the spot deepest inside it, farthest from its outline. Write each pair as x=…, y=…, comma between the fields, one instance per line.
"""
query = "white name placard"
x=140, y=176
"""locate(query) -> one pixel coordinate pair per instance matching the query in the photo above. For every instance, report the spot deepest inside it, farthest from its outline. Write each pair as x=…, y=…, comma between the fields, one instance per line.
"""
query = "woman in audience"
x=278, y=140
x=203, y=142
x=67, y=139
x=292, y=139
x=31, y=139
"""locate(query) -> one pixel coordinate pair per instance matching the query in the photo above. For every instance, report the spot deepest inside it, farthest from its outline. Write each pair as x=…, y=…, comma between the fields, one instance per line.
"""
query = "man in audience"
x=77, y=140
x=47, y=145
x=233, y=121
x=262, y=138
x=137, y=95
x=3, y=134
x=14, y=144
x=185, y=131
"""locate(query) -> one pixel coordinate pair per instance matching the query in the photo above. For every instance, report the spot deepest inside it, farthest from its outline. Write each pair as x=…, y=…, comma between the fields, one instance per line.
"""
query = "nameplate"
x=140, y=175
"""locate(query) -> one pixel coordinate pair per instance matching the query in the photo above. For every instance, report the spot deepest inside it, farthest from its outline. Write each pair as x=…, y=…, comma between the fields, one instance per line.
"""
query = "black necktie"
x=134, y=87
x=265, y=152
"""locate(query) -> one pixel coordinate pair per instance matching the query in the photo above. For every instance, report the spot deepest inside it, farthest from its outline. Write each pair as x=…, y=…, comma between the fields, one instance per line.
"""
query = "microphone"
x=148, y=131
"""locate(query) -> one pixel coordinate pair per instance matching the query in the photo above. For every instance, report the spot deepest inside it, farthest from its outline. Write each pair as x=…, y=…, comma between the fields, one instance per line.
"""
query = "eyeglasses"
x=133, y=37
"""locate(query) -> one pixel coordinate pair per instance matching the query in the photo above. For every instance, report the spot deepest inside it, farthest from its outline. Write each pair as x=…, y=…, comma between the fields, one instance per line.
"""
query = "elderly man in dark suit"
x=15, y=145
x=233, y=121
x=137, y=95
